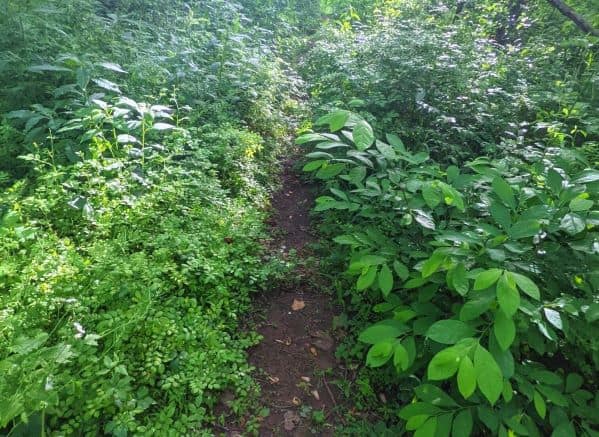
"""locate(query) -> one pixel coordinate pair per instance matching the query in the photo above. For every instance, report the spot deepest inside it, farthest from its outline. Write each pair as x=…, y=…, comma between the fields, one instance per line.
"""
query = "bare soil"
x=295, y=362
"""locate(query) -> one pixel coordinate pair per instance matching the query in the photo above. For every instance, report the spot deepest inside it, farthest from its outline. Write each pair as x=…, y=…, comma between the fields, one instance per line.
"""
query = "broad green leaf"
x=385, y=330
x=428, y=429
x=401, y=270
x=434, y=395
x=418, y=409
x=424, y=219
x=310, y=138
x=526, y=285
x=504, y=329
x=363, y=135
x=431, y=195
x=504, y=191
x=564, y=429
x=329, y=171
x=366, y=279
x=524, y=229
x=579, y=204
x=486, y=278
x=540, y=405
x=462, y=424
x=554, y=181
x=314, y=165
x=431, y=265
x=107, y=85
x=572, y=224
x=507, y=295
x=444, y=422
x=444, y=364
x=587, y=176
x=459, y=279
x=466, y=377
x=554, y=317
x=47, y=67
x=338, y=119
x=477, y=306
x=573, y=382
x=386, y=150
x=163, y=126
x=401, y=360
x=501, y=215
x=379, y=354
x=449, y=331
x=488, y=374
x=396, y=142
x=112, y=67
x=385, y=280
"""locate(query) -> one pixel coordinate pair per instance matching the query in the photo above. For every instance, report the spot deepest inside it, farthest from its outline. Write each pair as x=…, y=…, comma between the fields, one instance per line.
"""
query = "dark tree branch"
x=568, y=12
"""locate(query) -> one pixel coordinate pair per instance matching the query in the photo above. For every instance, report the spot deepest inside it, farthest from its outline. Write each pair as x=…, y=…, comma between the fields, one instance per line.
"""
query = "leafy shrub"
x=481, y=278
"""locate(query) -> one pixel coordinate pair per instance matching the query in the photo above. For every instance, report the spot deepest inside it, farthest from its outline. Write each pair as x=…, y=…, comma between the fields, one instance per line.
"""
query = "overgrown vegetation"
x=466, y=237
x=456, y=146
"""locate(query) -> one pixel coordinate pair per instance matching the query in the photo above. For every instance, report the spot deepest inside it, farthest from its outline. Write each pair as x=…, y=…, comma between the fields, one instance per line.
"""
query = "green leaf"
x=579, y=204
x=384, y=330
x=466, y=377
x=379, y=354
x=329, y=171
x=363, y=135
x=526, y=285
x=449, y=331
x=501, y=215
x=475, y=307
x=507, y=295
x=504, y=191
x=554, y=181
x=418, y=409
x=573, y=382
x=434, y=395
x=310, y=138
x=524, y=229
x=488, y=374
x=314, y=165
x=587, y=176
x=572, y=224
x=396, y=142
x=564, y=429
x=107, y=85
x=592, y=313
x=366, y=279
x=425, y=220
x=401, y=270
x=540, y=405
x=486, y=278
x=47, y=67
x=504, y=329
x=386, y=150
x=444, y=364
x=401, y=359
x=431, y=196
x=338, y=119
x=459, y=279
x=428, y=429
x=112, y=67
x=462, y=424
x=385, y=280
x=431, y=265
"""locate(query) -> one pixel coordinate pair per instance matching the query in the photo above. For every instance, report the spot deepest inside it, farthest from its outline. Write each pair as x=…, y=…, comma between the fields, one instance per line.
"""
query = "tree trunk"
x=567, y=11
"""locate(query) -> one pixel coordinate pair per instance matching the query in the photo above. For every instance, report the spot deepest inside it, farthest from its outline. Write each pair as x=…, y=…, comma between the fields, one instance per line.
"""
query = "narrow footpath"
x=295, y=361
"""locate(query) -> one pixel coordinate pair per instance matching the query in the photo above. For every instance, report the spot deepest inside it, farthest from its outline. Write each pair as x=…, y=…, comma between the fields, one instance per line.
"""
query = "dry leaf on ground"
x=298, y=304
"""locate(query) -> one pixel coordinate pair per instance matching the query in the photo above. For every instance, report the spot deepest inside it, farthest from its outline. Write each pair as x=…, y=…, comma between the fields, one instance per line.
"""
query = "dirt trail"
x=298, y=347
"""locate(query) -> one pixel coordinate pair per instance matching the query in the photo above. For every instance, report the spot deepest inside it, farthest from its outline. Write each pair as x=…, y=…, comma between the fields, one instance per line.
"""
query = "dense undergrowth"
x=138, y=149
x=457, y=148
x=458, y=158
